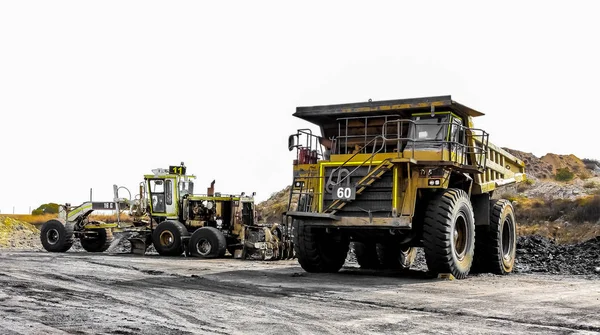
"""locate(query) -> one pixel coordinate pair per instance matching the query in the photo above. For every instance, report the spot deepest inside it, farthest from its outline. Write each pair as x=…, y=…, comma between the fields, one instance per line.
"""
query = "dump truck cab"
x=373, y=172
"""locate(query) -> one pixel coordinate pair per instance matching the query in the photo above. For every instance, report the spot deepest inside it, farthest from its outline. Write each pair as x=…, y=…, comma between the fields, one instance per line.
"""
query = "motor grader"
x=391, y=176
x=167, y=214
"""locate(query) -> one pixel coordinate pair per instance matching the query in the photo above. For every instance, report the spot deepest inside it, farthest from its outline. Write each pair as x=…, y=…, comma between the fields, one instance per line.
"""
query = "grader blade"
x=138, y=245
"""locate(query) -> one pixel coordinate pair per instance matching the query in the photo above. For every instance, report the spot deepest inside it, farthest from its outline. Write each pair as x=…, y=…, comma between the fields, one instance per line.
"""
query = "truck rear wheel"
x=496, y=246
x=396, y=257
x=384, y=256
x=449, y=233
x=57, y=236
x=319, y=251
x=366, y=255
x=167, y=238
x=208, y=242
x=98, y=242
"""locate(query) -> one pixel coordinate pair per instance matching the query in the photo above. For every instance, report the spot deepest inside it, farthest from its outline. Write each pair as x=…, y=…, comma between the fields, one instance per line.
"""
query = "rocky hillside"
x=272, y=209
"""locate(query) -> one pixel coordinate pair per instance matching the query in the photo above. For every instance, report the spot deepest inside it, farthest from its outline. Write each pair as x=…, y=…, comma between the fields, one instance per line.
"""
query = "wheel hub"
x=166, y=238
x=460, y=237
x=507, y=240
x=203, y=247
x=52, y=236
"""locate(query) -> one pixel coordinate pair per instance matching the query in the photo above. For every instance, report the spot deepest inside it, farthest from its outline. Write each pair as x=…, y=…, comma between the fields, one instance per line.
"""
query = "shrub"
x=550, y=210
x=564, y=174
x=50, y=208
x=588, y=210
x=525, y=185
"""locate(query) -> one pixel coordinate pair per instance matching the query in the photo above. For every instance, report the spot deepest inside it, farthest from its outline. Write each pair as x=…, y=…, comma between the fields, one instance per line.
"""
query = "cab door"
x=163, y=197
x=171, y=198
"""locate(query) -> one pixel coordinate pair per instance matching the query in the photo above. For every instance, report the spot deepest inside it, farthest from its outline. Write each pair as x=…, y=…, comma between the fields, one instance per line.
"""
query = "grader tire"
x=208, y=242
x=366, y=255
x=496, y=246
x=167, y=238
x=319, y=251
x=97, y=243
x=57, y=236
x=449, y=233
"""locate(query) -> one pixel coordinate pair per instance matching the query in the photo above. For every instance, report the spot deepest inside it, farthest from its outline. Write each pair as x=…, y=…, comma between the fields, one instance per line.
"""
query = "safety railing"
x=309, y=147
x=375, y=150
x=452, y=136
x=304, y=192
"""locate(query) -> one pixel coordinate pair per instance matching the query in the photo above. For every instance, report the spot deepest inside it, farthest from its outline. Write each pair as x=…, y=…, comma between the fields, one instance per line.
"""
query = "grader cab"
x=394, y=175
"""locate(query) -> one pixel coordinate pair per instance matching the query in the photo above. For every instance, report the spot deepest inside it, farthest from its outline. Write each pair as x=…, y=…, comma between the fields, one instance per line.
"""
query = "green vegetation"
x=588, y=210
x=50, y=208
x=539, y=210
x=564, y=174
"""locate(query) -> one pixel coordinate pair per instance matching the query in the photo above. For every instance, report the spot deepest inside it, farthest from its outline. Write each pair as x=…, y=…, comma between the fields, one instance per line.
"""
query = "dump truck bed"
x=404, y=107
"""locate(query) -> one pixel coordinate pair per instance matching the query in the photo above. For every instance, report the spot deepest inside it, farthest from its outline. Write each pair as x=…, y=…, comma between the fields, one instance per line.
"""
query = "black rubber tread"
x=317, y=250
x=366, y=255
x=499, y=210
x=395, y=257
x=65, y=231
x=98, y=243
x=218, y=244
x=178, y=230
x=438, y=230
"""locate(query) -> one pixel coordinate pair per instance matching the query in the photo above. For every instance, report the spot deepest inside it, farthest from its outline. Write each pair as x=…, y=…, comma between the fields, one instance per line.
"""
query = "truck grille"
x=376, y=198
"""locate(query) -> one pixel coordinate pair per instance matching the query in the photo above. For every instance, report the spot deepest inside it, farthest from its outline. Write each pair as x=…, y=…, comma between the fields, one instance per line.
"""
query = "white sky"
x=96, y=93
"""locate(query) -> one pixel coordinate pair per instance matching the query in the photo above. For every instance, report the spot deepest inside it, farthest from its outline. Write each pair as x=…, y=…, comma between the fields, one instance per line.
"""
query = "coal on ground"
x=540, y=254
x=537, y=254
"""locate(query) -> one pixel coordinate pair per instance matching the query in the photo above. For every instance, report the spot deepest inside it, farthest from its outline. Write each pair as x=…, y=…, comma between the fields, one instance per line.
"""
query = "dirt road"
x=83, y=293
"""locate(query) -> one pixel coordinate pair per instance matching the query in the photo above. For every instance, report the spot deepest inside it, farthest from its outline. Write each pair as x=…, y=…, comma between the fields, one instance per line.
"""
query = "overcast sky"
x=96, y=93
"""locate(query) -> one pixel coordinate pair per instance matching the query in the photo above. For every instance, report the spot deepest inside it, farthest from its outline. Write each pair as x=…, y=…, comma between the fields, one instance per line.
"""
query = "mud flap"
x=138, y=245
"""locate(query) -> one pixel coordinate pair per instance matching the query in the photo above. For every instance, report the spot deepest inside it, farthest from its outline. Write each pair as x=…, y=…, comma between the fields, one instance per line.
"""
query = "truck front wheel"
x=449, y=233
x=318, y=250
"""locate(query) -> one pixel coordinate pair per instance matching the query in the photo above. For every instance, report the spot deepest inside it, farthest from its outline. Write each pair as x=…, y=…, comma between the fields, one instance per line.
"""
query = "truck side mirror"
x=292, y=141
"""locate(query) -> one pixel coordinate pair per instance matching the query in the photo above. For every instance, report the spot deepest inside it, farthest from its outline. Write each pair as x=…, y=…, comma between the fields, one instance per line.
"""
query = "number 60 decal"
x=344, y=192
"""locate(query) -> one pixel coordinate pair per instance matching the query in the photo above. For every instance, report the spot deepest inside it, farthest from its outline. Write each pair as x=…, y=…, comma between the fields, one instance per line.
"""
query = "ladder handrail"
x=375, y=152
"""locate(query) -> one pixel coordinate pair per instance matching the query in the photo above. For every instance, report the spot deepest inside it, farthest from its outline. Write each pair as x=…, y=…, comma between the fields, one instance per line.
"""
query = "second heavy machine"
x=168, y=215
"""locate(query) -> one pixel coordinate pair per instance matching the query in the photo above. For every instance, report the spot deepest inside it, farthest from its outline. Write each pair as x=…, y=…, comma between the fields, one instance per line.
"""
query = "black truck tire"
x=98, y=242
x=167, y=238
x=449, y=233
x=208, y=242
x=317, y=250
x=498, y=246
x=56, y=236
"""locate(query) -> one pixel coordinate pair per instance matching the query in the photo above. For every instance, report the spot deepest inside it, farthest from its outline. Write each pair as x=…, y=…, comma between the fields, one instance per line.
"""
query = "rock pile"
x=16, y=234
x=539, y=254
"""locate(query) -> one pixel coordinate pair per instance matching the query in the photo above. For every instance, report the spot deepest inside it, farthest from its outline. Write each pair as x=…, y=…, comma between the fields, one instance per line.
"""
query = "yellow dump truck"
x=394, y=175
